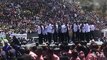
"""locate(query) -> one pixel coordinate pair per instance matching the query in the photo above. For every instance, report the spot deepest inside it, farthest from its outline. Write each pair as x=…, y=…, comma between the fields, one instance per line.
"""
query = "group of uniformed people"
x=65, y=32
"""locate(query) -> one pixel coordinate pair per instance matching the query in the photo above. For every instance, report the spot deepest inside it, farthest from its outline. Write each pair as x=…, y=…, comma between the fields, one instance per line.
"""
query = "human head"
x=105, y=51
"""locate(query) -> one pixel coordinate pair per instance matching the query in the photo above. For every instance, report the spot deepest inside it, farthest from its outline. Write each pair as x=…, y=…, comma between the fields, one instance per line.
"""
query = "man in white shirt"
x=43, y=32
x=55, y=32
x=75, y=30
x=83, y=31
x=87, y=31
x=79, y=34
x=63, y=31
x=49, y=31
x=92, y=29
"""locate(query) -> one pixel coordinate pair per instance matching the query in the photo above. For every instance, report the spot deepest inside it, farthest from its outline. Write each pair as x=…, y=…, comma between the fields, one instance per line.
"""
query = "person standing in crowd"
x=70, y=32
x=39, y=31
x=45, y=33
x=83, y=32
x=87, y=31
x=67, y=33
x=75, y=29
x=79, y=31
x=49, y=31
x=53, y=31
x=56, y=32
x=92, y=30
x=63, y=31
x=59, y=33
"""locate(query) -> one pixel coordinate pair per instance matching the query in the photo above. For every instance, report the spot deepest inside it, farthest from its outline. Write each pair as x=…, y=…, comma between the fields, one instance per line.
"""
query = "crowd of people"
x=65, y=32
x=79, y=51
x=21, y=16
x=53, y=20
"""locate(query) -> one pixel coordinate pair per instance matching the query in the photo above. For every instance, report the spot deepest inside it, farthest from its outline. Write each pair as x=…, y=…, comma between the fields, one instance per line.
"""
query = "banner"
x=19, y=35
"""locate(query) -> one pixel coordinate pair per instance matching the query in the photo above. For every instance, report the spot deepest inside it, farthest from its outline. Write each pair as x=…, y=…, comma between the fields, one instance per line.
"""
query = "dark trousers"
x=40, y=38
x=63, y=37
x=74, y=36
x=49, y=37
x=67, y=37
x=59, y=37
x=82, y=36
x=78, y=36
x=55, y=37
x=87, y=36
x=92, y=35
x=45, y=38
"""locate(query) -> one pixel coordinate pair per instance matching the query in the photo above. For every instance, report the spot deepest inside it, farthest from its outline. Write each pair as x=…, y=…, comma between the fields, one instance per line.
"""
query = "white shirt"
x=79, y=27
x=92, y=27
x=43, y=30
x=75, y=28
x=56, y=28
x=39, y=30
x=49, y=28
x=53, y=29
x=63, y=28
x=87, y=27
x=83, y=28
